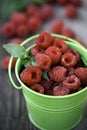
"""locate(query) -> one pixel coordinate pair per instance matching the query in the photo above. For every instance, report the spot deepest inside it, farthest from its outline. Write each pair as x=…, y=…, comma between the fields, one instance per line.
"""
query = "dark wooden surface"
x=13, y=112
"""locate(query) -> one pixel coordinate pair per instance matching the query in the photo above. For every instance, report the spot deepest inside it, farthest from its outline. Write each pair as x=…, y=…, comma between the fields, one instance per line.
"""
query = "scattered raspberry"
x=46, y=12
x=68, y=32
x=38, y=88
x=5, y=63
x=76, y=2
x=80, y=41
x=22, y=30
x=18, y=18
x=57, y=26
x=44, y=40
x=54, y=53
x=68, y=60
x=81, y=73
x=8, y=29
x=71, y=11
x=57, y=74
x=61, y=45
x=62, y=2
x=34, y=24
x=16, y=41
x=60, y=91
x=44, y=62
x=72, y=82
x=31, y=75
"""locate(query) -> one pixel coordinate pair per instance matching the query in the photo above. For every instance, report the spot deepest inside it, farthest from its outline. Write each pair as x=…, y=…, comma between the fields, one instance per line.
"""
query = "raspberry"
x=71, y=71
x=44, y=40
x=33, y=24
x=46, y=12
x=62, y=2
x=76, y=2
x=38, y=88
x=71, y=11
x=36, y=50
x=68, y=32
x=8, y=29
x=60, y=91
x=57, y=74
x=31, y=75
x=22, y=30
x=80, y=41
x=18, y=18
x=49, y=92
x=44, y=62
x=5, y=63
x=16, y=41
x=68, y=60
x=54, y=53
x=72, y=82
x=81, y=73
x=61, y=45
x=56, y=26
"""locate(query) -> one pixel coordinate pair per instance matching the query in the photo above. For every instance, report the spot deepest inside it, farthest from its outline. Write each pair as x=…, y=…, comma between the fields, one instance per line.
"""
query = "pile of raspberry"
x=64, y=70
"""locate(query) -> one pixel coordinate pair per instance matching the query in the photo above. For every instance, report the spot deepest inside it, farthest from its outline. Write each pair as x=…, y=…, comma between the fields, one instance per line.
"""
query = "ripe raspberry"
x=71, y=71
x=18, y=18
x=72, y=82
x=46, y=12
x=38, y=88
x=80, y=41
x=57, y=26
x=81, y=73
x=54, y=53
x=34, y=24
x=49, y=92
x=15, y=41
x=22, y=30
x=44, y=40
x=31, y=75
x=76, y=2
x=44, y=62
x=71, y=11
x=8, y=29
x=61, y=45
x=62, y=2
x=68, y=32
x=57, y=74
x=5, y=63
x=68, y=60
x=60, y=91
x=36, y=50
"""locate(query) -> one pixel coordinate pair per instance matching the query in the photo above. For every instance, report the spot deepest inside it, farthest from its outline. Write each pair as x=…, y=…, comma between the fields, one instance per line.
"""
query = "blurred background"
x=20, y=19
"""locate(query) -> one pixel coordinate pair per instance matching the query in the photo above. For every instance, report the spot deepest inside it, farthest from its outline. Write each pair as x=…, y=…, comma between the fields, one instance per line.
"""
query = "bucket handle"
x=25, y=42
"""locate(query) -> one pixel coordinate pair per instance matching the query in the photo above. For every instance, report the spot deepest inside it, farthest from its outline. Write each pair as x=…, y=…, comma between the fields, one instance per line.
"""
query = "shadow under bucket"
x=52, y=112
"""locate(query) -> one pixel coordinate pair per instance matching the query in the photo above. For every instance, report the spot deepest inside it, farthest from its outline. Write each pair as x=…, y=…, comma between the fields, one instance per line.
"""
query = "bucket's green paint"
x=51, y=112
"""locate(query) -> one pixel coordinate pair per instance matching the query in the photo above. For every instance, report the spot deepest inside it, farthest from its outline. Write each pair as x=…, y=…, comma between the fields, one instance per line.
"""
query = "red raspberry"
x=36, y=50
x=56, y=26
x=18, y=18
x=34, y=24
x=57, y=74
x=71, y=11
x=49, y=92
x=46, y=12
x=22, y=30
x=31, y=10
x=60, y=91
x=15, y=41
x=38, y=88
x=8, y=29
x=68, y=32
x=31, y=75
x=44, y=40
x=81, y=73
x=71, y=71
x=44, y=62
x=76, y=2
x=54, y=53
x=80, y=41
x=61, y=45
x=5, y=63
x=72, y=82
x=68, y=60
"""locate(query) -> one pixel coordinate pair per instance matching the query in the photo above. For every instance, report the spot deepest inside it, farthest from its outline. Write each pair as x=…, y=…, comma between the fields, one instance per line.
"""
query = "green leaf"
x=15, y=50
x=33, y=62
x=44, y=75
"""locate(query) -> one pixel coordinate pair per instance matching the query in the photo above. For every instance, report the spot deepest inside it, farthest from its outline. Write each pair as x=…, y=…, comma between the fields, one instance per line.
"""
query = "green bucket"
x=51, y=112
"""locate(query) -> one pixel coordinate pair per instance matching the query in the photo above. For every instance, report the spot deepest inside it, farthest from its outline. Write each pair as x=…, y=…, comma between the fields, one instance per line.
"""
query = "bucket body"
x=53, y=112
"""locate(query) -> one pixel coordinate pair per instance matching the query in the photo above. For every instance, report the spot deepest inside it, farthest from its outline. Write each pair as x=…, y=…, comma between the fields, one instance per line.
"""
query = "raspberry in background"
x=76, y=2
x=15, y=40
x=62, y=2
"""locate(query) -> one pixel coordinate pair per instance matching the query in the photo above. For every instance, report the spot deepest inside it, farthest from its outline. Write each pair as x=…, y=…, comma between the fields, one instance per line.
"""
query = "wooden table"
x=13, y=112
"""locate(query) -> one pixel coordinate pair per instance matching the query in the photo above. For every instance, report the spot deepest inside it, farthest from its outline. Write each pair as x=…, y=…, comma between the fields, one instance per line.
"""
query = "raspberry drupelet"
x=44, y=62
x=31, y=75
